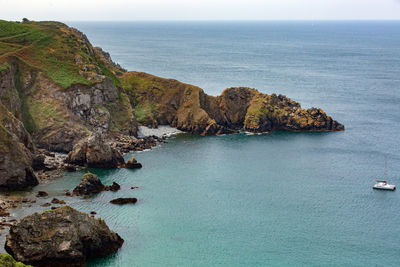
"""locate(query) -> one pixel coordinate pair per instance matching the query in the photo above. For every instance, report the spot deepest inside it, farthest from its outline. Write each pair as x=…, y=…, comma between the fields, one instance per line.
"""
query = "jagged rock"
x=94, y=152
x=60, y=237
x=16, y=150
x=114, y=187
x=123, y=201
x=90, y=184
x=132, y=164
x=42, y=194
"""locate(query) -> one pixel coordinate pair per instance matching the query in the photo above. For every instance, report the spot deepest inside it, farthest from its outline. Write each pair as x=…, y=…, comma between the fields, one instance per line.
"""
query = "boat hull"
x=390, y=188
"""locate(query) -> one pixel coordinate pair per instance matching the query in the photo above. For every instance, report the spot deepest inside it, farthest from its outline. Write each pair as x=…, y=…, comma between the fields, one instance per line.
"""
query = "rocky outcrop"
x=94, y=152
x=16, y=150
x=90, y=184
x=132, y=164
x=187, y=107
x=122, y=201
x=60, y=237
x=114, y=187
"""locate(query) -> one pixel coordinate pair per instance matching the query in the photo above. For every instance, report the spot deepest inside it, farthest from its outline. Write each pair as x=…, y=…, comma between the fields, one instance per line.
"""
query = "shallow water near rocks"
x=280, y=199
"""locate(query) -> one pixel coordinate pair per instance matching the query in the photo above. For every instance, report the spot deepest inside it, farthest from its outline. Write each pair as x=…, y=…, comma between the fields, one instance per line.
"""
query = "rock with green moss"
x=60, y=237
x=90, y=184
x=132, y=164
x=6, y=260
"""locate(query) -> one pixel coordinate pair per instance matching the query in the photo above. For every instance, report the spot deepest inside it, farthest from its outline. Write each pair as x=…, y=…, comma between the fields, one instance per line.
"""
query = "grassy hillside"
x=62, y=53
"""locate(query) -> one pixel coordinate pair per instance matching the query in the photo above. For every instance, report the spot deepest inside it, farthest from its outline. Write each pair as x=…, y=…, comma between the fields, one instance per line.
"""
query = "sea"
x=277, y=199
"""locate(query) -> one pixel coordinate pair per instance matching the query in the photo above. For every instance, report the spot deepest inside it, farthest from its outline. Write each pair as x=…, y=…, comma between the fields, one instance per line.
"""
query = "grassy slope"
x=64, y=56
x=6, y=260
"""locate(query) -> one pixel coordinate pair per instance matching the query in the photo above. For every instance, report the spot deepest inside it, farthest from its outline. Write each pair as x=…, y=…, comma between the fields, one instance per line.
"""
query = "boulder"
x=124, y=201
x=114, y=187
x=60, y=237
x=94, y=152
x=90, y=184
x=132, y=164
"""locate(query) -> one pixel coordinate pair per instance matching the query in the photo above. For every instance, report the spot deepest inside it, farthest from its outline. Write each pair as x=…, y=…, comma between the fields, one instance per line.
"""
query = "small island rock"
x=90, y=184
x=133, y=164
x=60, y=237
x=124, y=201
x=114, y=187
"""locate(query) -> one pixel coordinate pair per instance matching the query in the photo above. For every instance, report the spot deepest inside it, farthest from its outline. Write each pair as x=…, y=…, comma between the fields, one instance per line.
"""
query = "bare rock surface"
x=60, y=237
x=94, y=152
x=90, y=184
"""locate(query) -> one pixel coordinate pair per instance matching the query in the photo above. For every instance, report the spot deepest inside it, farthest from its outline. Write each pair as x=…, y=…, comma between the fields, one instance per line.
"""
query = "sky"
x=131, y=10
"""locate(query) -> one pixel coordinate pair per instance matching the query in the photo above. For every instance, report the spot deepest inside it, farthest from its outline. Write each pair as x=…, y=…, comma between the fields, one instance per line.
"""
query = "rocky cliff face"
x=187, y=107
x=16, y=150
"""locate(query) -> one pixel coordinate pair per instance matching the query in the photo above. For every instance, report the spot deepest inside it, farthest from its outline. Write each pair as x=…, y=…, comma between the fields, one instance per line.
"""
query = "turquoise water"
x=282, y=199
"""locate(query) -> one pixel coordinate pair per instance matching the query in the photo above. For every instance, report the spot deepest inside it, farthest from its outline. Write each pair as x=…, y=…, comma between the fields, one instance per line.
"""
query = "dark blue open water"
x=282, y=199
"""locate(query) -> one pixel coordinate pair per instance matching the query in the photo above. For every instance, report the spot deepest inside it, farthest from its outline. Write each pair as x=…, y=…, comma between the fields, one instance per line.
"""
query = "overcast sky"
x=70, y=10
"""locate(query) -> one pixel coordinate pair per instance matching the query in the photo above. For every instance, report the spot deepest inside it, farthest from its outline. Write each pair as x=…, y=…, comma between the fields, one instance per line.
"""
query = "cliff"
x=165, y=101
x=57, y=90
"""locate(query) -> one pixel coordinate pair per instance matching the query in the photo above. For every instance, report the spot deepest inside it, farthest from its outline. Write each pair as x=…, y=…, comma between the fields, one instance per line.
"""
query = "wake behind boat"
x=383, y=185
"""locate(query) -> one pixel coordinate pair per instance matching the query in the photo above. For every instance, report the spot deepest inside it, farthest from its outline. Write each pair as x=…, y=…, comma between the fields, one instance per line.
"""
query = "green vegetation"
x=145, y=113
x=47, y=46
x=110, y=75
x=44, y=113
x=4, y=66
x=6, y=260
x=88, y=176
x=5, y=140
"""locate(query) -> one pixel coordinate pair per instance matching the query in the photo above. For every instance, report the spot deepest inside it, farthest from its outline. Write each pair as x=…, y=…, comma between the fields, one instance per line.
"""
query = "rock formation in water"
x=90, y=184
x=61, y=94
x=60, y=237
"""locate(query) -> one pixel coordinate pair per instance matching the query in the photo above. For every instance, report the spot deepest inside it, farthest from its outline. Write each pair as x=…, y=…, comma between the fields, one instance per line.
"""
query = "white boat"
x=383, y=185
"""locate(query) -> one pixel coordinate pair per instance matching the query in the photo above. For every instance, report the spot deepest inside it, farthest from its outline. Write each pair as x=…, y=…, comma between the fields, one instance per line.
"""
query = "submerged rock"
x=124, y=200
x=60, y=237
x=94, y=152
x=114, y=187
x=133, y=164
x=90, y=184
